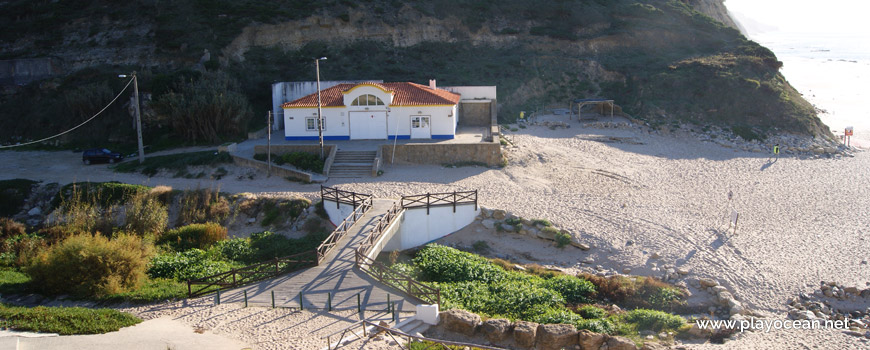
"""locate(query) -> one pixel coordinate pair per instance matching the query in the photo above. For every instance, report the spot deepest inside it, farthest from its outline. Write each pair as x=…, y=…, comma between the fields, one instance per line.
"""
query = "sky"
x=802, y=16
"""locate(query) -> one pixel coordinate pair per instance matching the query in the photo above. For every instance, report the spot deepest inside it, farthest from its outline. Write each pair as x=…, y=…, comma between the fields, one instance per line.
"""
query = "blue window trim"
x=400, y=137
x=443, y=137
x=315, y=138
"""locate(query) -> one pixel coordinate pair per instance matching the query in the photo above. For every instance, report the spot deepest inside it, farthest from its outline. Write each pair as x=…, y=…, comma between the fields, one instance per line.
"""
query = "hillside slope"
x=663, y=61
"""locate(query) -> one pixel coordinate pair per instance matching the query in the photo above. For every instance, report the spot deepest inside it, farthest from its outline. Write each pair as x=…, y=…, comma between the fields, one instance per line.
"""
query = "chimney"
x=432, y=84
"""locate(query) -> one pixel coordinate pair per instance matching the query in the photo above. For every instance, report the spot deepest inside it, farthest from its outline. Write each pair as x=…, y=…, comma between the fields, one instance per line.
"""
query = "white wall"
x=441, y=123
x=334, y=118
x=292, y=90
x=417, y=228
x=473, y=92
x=337, y=215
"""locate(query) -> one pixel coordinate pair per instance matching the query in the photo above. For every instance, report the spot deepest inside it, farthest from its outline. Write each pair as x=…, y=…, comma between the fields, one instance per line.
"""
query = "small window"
x=311, y=124
x=367, y=100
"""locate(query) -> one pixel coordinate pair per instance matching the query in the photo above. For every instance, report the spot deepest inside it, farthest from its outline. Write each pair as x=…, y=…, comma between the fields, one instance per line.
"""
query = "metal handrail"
x=430, y=200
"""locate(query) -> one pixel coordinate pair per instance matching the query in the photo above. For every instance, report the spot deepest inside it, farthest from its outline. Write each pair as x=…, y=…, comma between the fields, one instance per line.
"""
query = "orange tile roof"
x=404, y=94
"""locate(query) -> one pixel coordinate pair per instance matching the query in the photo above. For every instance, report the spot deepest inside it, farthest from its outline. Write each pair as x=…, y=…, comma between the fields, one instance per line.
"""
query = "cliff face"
x=660, y=60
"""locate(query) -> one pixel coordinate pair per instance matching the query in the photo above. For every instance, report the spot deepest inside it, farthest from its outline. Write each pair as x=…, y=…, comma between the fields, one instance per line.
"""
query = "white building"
x=374, y=111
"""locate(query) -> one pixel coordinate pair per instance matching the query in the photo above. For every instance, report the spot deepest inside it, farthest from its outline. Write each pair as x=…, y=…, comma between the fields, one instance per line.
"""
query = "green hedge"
x=64, y=320
x=191, y=264
x=199, y=236
x=444, y=264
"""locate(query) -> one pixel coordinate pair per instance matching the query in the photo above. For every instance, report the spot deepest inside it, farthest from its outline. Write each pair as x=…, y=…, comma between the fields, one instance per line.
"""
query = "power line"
x=77, y=126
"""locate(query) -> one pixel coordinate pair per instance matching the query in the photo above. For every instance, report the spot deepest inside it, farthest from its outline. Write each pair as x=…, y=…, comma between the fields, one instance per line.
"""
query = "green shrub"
x=480, y=246
x=199, y=236
x=591, y=312
x=666, y=298
x=152, y=290
x=268, y=245
x=99, y=194
x=19, y=249
x=599, y=325
x=236, y=249
x=278, y=212
x=321, y=211
x=190, y=264
x=146, y=216
x=13, y=193
x=653, y=320
x=87, y=266
x=301, y=160
x=64, y=320
x=542, y=222
x=13, y=281
x=550, y=315
x=575, y=290
x=406, y=269
x=562, y=239
x=444, y=264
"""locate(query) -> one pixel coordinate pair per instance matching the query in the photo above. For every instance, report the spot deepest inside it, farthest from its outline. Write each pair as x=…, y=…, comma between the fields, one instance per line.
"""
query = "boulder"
x=499, y=214
x=548, y=233
x=496, y=329
x=578, y=244
x=699, y=333
x=653, y=346
x=556, y=336
x=654, y=255
x=34, y=211
x=706, y=282
x=619, y=343
x=851, y=290
x=590, y=340
x=488, y=223
x=524, y=333
x=460, y=321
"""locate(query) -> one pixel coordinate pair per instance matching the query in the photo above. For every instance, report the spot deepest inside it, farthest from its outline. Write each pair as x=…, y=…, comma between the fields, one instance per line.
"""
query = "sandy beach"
x=629, y=194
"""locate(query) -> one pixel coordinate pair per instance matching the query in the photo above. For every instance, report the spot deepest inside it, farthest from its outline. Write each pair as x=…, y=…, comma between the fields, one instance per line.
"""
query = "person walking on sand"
x=776, y=151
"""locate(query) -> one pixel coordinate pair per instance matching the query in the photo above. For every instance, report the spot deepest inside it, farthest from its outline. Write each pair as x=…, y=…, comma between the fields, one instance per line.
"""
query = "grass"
x=156, y=289
x=64, y=320
x=176, y=163
x=13, y=281
x=12, y=195
x=104, y=194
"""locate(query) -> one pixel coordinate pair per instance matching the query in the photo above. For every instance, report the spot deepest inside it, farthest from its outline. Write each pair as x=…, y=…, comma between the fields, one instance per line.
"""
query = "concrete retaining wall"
x=284, y=149
x=337, y=213
x=488, y=153
x=276, y=169
x=418, y=228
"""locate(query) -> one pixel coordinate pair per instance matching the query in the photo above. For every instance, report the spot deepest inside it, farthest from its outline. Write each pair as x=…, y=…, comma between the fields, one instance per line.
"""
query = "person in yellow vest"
x=776, y=151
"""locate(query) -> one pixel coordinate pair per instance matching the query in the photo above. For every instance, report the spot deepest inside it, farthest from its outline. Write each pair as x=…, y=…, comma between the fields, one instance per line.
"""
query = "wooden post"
x=188, y=288
x=246, y=297
x=358, y=302
x=218, y=297
x=454, y=201
x=329, y=301
x=273, y=299
x=388, y=302
x=300, y=302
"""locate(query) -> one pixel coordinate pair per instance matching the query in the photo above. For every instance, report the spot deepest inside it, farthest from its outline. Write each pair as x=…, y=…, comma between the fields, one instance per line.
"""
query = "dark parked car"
x=100, y=155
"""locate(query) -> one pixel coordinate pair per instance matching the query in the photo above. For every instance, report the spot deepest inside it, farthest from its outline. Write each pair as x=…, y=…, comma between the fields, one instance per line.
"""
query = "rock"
x=682, y=271
x=590, y=340
x=524, y=333
x=654, y=255
x=499, y=214
x=34, y=211
x=548, y=233
x=619, y=343
x=588, y=260
x=556, y=336
x=653, y=346
x=626, y=270
x=828, y=293
x=460, y=321
x=496, y=329
x=486, y=212
x=699, y=333
x=577, y=244
x=519, y=267
x=705, y=282
x=252, y=220
x=865, y=293
x=851, y=290
x=488, y=223
x=719, y=289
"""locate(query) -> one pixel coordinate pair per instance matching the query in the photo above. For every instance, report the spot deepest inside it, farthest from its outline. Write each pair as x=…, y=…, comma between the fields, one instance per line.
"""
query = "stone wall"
x=276, y=169
x=284, y=149
x=474, y=113
x=488, y=153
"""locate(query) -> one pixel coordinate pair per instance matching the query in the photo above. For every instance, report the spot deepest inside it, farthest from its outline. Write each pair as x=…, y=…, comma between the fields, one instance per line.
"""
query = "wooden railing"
x=429, y=200
x=397, y=280
x=251, y=273
x=378, y=230
x=340, y=196
x=341, y=230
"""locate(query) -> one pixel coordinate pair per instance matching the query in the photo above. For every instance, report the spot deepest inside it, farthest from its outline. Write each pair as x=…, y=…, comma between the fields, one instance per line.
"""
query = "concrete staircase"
x=352, y=164
x=412, y=327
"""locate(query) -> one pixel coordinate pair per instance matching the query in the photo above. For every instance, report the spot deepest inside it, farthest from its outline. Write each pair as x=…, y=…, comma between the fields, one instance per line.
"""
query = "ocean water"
x=832, y=71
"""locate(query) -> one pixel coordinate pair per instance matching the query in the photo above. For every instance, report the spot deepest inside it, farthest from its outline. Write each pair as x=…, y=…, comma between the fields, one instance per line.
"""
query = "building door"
x=420, y=128
x=368, y=125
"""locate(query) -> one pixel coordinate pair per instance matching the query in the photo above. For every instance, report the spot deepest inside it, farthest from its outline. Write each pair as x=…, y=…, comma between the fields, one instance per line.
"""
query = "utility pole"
x=319, y=113
x=269, y=144
x=138, y=116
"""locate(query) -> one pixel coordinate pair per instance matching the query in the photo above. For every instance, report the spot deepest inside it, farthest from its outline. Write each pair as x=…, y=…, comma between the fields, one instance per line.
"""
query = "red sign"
x=849, y=131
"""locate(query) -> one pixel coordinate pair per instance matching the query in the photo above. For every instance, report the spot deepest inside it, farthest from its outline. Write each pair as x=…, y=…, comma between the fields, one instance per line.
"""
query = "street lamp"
x=138, y=118
x=319, y=113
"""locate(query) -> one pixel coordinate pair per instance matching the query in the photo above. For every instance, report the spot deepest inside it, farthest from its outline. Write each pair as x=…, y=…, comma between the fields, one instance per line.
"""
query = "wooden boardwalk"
x=336, y=277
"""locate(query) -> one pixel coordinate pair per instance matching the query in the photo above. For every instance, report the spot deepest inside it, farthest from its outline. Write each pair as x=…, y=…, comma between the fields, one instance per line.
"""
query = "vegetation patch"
x=175, y=163
x=64, y=320
x=301, y=160
x=13, y=193
x=200, y=236
x=103, y=194
x=495, y=289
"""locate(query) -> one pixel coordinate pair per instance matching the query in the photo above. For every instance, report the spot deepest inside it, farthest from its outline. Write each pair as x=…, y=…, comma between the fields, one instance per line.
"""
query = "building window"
x=311, y=124
x=367, y=100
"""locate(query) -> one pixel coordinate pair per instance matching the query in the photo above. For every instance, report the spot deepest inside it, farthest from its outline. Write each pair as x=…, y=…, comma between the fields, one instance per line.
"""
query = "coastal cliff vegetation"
x=662, y=61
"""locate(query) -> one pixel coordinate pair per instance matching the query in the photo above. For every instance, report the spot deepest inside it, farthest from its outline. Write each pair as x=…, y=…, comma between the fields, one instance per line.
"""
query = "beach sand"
x=631, y=194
